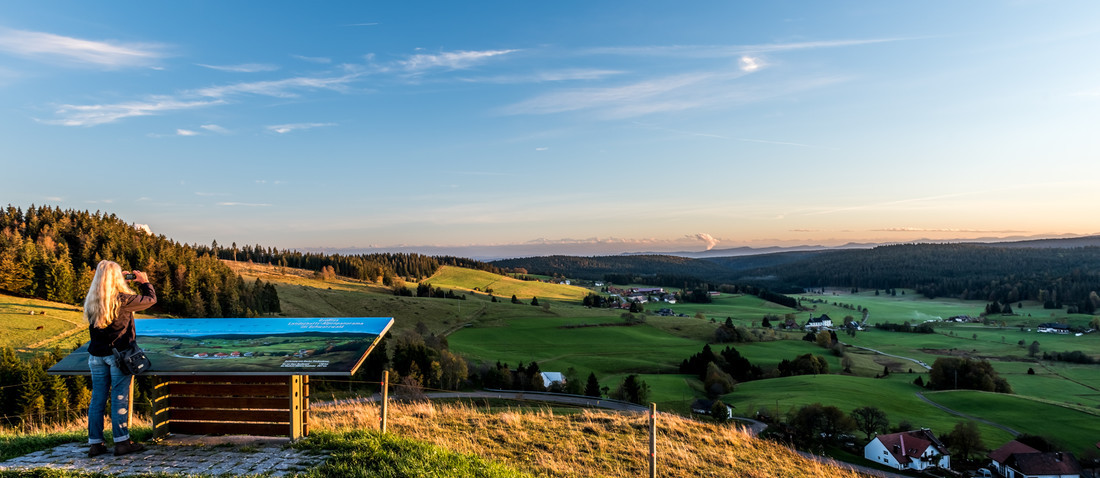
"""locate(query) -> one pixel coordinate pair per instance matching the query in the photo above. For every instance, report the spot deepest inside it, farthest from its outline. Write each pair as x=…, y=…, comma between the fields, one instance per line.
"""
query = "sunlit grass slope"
x=585, y=444
x=458, y=278
x=31, y=325
x=432, y=440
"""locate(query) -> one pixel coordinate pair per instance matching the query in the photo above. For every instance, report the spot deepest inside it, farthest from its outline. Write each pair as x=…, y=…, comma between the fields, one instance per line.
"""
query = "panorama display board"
x=263, y=346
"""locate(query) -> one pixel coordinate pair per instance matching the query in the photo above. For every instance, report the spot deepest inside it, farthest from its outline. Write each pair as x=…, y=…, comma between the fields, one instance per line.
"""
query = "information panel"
x=264, y=346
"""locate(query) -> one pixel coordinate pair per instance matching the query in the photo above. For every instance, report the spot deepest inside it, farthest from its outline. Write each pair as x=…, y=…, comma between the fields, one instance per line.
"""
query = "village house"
x=912, y=450
x=1017, y=460
x=823, y=322
x=702, y=406
x=1053, y=328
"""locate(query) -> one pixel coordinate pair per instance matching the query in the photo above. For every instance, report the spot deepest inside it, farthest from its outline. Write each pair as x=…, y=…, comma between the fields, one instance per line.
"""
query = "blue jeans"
x=109, y=382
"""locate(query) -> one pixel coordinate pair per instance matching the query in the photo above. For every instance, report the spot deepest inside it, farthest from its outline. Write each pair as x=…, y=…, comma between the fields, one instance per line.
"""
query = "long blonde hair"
x=102, y=303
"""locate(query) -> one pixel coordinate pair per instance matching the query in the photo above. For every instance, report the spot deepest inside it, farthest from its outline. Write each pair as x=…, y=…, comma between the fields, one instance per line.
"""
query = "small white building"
x=549, y=378
x=912, y=450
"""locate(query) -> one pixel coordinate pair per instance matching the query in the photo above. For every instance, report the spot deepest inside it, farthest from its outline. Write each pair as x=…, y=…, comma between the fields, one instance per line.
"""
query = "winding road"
x=921, y=396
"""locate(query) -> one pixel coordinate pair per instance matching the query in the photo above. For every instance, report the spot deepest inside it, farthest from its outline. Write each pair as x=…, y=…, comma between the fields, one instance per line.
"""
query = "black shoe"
x=127, y=447
x=96, y=449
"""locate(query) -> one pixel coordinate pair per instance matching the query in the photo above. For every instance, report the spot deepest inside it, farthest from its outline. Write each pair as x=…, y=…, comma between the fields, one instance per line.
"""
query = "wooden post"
x=161, y=408
x=385, y=399
x=130, y=406
x=297, y=413
x=652, y=440
x=305, y=405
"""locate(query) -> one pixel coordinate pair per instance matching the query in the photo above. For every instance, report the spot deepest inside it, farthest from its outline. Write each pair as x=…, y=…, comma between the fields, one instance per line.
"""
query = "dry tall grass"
x=584, y=444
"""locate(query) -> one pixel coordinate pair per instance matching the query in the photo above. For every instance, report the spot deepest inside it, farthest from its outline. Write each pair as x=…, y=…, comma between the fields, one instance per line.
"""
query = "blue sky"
x=574, y=127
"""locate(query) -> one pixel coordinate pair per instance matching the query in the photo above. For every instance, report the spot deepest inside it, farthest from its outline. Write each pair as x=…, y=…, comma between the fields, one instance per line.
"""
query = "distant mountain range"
x=1060, y=243
x=507, y=251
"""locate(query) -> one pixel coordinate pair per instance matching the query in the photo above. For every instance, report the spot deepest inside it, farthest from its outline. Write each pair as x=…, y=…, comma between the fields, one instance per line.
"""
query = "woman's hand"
x=140, y=277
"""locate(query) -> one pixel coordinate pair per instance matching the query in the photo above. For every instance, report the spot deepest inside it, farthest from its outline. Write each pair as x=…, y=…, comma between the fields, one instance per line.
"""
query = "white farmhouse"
x=823, y=322
x=912, y=450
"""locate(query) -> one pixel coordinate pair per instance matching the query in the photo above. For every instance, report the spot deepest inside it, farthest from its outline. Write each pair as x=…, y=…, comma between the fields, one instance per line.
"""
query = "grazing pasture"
x=31, y=325
x=462, y=279
x=599, y=344
x=1075, y=429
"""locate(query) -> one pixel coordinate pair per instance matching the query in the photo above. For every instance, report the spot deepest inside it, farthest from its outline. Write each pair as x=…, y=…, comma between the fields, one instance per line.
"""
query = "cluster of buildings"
x=919, y=450
x=642, y=295
x=1053, y=328
x=203, y=355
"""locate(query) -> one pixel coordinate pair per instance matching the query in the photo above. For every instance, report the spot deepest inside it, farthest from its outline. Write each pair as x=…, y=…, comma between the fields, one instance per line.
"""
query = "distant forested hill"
x=381, y=268
x=1054, y=276
x=641, y=269
x=51, y=254
x=1057, y=274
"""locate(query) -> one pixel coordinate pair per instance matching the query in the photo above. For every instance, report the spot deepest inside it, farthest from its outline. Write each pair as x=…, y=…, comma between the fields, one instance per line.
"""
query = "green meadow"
x=458, y=278
x=604, y=346
x=1074, y=429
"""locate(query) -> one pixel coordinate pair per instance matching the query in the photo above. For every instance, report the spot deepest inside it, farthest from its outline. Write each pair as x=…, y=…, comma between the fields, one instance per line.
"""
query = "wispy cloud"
x=717, y=51
x=367, y=24
x=572, y=74
x=242, y=68
x=313, y=59
x=91, y=115
x=285, y=88
x=617, y=96
x=49, y=47
x=243, y=204
x=452, y=60
x=186, y=132
x=750, y=64
x=213, y=128
x=286, y=128
x=731, y=138
x=666, y=94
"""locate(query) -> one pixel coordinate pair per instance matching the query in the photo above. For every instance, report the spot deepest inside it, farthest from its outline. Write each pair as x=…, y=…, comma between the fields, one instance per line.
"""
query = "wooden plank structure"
x=262, y=405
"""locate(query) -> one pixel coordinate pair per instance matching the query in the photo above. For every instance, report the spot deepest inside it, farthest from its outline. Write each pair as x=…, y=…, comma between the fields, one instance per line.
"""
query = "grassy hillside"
x=430, y=440
x=582, y=444
x=31, y=324
x=458, y=278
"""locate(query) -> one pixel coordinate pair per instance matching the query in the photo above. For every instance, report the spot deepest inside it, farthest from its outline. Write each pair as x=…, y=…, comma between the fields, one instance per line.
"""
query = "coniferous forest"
x=51, y=254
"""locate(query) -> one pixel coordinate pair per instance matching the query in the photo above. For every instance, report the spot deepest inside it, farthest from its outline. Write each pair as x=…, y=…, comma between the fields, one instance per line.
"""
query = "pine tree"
x=592, y=387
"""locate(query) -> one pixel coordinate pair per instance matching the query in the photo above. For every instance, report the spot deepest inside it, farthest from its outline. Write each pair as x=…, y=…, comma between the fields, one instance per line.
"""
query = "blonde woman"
x=110, y=308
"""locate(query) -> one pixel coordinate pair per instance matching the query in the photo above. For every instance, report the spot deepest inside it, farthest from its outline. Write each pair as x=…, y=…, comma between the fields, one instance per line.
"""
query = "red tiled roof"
x=1053, y=463
x=1002, y=454
x=905, y=446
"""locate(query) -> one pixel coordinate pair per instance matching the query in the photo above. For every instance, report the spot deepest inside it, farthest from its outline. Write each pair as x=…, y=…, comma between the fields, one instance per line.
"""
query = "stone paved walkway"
x=189, y=455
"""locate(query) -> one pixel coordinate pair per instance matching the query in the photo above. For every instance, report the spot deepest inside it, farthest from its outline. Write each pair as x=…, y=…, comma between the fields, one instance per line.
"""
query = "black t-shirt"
x=120, y=333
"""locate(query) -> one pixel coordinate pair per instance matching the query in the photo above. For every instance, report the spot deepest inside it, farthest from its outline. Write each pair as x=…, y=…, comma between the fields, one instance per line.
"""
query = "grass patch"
x=459, y=278
x=361, y=453
x=1074, y=429
x=32, y=325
